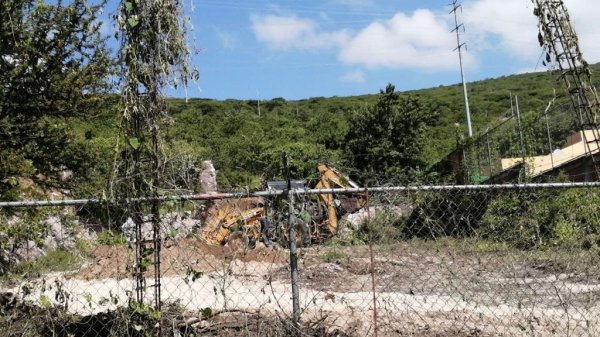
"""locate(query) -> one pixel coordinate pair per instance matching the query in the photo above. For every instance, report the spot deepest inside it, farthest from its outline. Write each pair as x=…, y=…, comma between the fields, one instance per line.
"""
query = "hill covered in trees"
x=244, y=138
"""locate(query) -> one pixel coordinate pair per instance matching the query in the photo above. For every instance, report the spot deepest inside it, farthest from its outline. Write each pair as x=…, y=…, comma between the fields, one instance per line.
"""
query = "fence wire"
x=516, y=260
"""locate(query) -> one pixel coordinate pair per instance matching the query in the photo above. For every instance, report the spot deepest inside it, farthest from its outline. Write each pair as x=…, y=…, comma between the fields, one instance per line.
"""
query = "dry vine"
x=154, y=55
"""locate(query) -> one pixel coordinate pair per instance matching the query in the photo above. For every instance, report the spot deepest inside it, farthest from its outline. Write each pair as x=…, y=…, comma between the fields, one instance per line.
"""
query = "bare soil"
x=421, y=288
x=177, y=257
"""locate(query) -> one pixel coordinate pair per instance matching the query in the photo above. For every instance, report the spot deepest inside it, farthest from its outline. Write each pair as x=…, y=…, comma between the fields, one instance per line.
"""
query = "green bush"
x=384, y=227
x=333, y=255
x=111, y=238
x=454, y=213
x=577, y=218
x=26, y=226
x=568, y=218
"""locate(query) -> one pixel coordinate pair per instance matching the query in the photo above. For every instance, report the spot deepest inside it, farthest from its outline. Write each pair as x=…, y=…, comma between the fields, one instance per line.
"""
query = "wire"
x=249, y=5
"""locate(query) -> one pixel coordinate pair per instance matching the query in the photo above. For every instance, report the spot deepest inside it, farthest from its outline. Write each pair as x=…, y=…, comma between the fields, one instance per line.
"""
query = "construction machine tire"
x=302, y=236
x=238, y=241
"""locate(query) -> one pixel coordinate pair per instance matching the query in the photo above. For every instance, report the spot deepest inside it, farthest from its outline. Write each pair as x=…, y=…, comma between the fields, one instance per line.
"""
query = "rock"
x=357, y=219
x=62, y=235
x=28, y=251
x=208, y=177
x=346, y=233
x=173, y=226
x=89, y=232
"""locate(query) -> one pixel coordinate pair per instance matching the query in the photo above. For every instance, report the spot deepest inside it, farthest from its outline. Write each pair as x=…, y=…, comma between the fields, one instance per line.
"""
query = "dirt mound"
x=177, y=258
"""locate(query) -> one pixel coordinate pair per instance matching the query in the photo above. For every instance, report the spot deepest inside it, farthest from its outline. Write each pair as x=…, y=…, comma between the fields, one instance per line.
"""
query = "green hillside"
x=245, y=146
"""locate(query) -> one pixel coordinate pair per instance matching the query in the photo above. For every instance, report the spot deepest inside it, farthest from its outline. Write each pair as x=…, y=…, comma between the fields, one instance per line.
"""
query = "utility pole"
x=520, y=127
x=548, y=129
x=258, y=102
x=455, y=7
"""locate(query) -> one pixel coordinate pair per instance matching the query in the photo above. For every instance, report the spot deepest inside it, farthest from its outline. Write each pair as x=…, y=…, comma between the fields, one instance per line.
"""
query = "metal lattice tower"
x=557, y=36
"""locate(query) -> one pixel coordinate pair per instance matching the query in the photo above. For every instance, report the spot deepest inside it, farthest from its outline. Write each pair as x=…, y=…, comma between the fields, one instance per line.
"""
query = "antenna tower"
x=455, y=7
x=557, y=36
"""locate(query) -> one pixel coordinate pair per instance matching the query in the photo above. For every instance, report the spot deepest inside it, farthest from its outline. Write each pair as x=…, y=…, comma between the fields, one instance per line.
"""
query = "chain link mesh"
x=452, y=261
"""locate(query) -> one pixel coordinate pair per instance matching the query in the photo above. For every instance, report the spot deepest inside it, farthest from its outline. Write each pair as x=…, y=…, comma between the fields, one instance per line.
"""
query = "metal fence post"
x=292, y=245
x=372, y=267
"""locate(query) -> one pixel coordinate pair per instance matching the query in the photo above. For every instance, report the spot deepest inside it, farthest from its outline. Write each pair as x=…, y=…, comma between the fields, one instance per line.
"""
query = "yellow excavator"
x=329, y=177
x=228, y=221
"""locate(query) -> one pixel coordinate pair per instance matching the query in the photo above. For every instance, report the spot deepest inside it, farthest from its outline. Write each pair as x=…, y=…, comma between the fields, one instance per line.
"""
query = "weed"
x=334, y=255
x=111, y=238
x=56, y=260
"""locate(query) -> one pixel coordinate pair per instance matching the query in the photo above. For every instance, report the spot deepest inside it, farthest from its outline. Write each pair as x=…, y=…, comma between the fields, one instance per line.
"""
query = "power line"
x=296, y=8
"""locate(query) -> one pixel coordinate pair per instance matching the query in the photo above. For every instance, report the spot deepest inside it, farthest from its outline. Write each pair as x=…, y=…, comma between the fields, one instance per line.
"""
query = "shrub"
x=111, y=238
x=453, y=213
x=568, y=218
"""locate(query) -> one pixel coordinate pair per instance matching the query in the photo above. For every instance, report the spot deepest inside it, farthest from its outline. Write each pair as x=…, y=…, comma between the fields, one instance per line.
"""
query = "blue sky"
x=250, y=49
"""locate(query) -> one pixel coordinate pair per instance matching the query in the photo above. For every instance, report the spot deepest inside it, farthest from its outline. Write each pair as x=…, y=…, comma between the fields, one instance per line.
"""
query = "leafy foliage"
x=54, y=71
x=53, y=65
x=387, y=138
x=245, y=146
x=542, y=219
x=154, y=55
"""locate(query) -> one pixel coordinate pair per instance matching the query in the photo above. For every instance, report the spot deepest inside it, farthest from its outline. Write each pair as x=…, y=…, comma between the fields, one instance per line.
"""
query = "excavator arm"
x=331, y=178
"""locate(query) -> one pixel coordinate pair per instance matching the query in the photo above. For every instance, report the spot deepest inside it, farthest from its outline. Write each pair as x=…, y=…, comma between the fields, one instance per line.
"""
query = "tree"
x=53, y=65
x=385, y=140
x=154, y=55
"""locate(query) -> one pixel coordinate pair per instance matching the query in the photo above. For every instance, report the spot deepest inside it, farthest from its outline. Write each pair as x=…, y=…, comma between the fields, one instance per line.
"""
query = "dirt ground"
x=177, y=257
x=421, y=289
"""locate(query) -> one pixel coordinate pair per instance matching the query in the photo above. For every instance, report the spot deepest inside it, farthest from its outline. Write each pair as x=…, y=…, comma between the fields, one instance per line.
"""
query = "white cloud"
x=584, y=17
x=290, y=32
x=355, y=76
x=510, y=27
x=226, y=39
x=507, y=26
x=529, y=70
x=421, y=40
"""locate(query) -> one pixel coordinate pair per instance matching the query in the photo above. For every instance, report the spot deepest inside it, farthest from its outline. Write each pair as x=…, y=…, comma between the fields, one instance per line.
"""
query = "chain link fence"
x=520, y=137
x=501, y=260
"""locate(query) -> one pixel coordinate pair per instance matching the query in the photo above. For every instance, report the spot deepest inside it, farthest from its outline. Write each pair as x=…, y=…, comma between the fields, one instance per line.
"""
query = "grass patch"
x=334, y=255
x=465, y=245
x=111, y=238
x=54, y=260
x=352, y=238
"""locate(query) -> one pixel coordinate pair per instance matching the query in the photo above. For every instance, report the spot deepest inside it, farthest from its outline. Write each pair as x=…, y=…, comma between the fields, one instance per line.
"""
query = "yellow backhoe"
x=329, y=177
x=226, y=221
